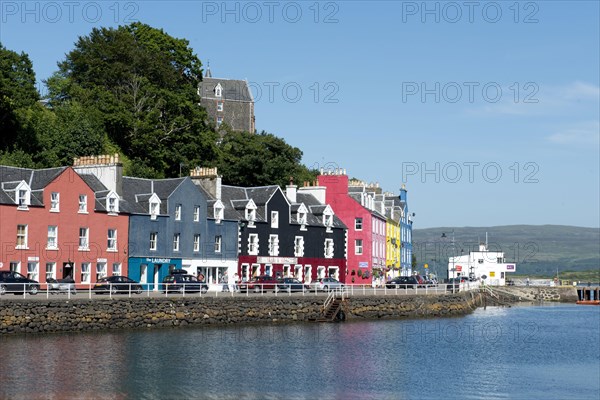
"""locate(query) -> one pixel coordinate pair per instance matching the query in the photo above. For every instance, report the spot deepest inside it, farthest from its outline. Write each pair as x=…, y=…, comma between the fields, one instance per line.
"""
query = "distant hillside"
x=537, y=249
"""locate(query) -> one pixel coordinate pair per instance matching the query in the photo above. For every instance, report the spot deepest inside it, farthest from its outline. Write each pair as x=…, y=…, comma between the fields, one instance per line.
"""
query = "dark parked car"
x=117, y=284
x=403, y=282
x=183, y=283
x=291, y=285
x=259, y=284
x=14, y=282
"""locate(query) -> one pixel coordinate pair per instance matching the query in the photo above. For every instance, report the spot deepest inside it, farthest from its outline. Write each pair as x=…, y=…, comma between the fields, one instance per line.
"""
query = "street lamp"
x=453, y=267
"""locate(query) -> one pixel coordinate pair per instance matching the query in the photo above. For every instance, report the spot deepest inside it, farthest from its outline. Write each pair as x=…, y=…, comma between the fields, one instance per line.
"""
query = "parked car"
x=183, y=283
x=291, y=285
x=117, y=284
x=403, y=282
x=65, y=285
x=258, y=284
x=14, y=282
x=326, y=284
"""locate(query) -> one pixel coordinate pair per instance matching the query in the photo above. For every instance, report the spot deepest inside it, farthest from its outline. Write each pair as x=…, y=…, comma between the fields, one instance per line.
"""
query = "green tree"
x=260, y=159
x=144, y=84
x=17, y=92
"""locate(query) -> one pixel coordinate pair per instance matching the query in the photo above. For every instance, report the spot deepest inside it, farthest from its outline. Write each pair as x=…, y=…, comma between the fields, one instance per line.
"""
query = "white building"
x=487, y=266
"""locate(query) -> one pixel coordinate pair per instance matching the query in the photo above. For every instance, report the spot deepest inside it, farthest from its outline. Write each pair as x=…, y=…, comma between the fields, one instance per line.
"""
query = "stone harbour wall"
x=45, y=316
x=543, y=293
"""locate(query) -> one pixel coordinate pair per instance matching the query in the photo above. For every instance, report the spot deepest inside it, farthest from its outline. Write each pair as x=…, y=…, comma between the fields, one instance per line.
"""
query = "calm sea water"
x=549, y=352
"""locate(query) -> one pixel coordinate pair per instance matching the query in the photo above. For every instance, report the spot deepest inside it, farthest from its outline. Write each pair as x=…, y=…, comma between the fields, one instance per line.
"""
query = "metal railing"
x=116, y=290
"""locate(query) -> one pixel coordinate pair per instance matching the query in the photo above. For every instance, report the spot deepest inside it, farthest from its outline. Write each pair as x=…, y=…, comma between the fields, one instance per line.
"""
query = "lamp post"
x=453, y=266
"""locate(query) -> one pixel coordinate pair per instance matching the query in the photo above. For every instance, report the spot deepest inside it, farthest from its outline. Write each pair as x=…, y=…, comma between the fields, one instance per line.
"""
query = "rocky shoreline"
x=39, y=317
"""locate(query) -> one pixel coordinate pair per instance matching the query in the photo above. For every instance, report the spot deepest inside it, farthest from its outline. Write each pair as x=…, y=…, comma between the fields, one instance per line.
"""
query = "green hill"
x=537, y=249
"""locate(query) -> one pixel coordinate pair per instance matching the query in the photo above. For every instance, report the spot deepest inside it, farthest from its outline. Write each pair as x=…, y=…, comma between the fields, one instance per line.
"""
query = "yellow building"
x=392, y=238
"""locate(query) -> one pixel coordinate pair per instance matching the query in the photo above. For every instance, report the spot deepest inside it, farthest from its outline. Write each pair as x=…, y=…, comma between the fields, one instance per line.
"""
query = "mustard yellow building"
x=392, y=238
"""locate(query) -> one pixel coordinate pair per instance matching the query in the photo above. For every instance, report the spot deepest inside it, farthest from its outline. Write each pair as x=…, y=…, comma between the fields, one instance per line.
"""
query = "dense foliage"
x=131, y=90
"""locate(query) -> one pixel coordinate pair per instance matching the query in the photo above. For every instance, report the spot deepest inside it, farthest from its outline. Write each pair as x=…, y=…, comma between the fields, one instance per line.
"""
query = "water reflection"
x=493, y=353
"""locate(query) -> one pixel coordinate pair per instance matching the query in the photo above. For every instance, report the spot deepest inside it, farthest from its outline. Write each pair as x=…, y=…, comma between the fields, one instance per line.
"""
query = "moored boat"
x=589, y=295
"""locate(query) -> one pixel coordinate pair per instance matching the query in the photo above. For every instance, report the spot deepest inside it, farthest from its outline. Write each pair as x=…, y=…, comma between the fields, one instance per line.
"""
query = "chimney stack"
x=208, y=179
x=106, y=168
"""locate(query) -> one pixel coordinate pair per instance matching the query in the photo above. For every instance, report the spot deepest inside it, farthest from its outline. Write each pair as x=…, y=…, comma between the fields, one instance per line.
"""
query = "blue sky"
x=487, y=111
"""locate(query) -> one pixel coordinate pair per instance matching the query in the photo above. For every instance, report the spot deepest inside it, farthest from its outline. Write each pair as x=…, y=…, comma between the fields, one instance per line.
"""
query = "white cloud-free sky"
x=487, y=111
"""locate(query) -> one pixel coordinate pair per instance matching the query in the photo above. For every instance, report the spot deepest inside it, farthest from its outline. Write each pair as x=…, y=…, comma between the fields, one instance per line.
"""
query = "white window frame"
x=358, y=247
x=299, y=246
x=112, y=203
x=176, y=239
x=50, y=270
x=153, y=241
x=84, y=239
x=275, y=219
x=111, y=242
x=82, y=204
x=273, y=245
x=220, y=105
x=218, y=90
x=358, y=224
x=33, y=270
x=22, y=237
x=218, y=243
x=328, y=251
x=178, y=212
x=52, y=241
x=196, y=213
x=86, y=272
x=253, y=244
x=100, y=270
x=116, y=269
x=54, y=202
x=219, y=120
x=196, y=243
x=219, y=212
x=15, y=266
x=23, y=196
x=302, y=217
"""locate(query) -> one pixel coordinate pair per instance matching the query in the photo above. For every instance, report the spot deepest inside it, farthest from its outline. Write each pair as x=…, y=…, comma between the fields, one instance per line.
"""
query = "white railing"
x=119, y=290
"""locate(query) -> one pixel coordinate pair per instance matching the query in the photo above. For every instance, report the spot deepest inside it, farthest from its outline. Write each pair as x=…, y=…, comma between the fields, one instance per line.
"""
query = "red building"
x=56, y=223
x=366, y=228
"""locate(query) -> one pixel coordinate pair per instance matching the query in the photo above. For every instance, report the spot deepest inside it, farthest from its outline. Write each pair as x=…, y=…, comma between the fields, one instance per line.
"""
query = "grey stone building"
x=227, y=101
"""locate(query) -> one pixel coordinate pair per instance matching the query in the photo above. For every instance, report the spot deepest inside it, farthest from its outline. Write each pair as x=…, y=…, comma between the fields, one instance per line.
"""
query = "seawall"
x=46, y=316
x=541, y=293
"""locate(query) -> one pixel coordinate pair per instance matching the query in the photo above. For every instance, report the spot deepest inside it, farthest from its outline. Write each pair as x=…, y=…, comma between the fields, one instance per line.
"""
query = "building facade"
x=289, y=234
x=483, y=265
x=364, y=255
x=227, y=101
x=55, y=223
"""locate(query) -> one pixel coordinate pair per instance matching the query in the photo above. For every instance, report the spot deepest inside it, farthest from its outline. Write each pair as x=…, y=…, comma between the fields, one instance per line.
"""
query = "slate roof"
x=233, y=89
x=137, y=192
x=37, y=179
x=235, y=199
x=315, y=211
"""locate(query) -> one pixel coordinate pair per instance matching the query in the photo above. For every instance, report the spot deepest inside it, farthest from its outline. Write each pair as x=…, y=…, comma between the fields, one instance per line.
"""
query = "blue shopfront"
x=151, y=271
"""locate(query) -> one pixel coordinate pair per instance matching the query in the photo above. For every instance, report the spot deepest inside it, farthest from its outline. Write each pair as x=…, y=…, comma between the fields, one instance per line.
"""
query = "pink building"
x=56, y=223
x=356, y=207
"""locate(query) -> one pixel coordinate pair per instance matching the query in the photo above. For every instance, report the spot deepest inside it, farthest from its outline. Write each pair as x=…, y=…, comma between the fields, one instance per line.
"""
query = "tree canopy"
x=132, y=90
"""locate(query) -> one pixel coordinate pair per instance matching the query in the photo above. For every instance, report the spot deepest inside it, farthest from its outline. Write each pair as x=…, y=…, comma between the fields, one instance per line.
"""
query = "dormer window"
x=112, y=203
x=251, y=213
x=23, y=195
x=328, y=218
x=154, y=206
x=218, y=90
x=219, y=211
x=54, y=201
x=302, y=216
